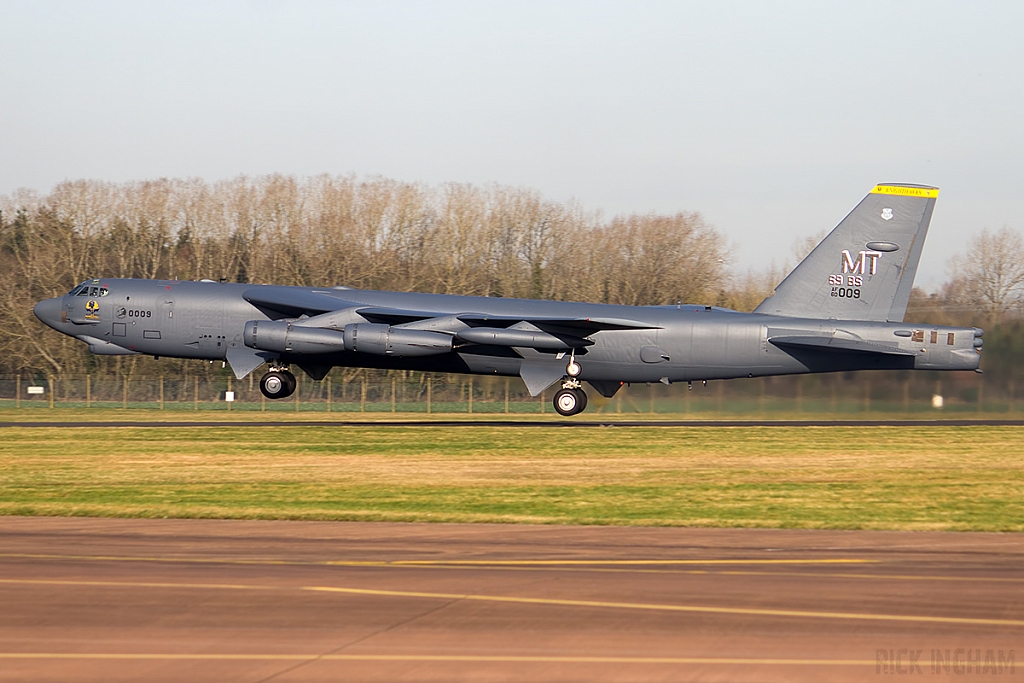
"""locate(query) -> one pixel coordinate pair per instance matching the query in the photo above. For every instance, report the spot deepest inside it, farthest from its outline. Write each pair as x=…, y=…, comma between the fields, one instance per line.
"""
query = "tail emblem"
x=865, y=264
x=886, y=214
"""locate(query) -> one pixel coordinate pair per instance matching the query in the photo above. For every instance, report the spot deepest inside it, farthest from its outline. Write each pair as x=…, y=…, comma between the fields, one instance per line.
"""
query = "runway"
x=215, y=600
x=521, y=423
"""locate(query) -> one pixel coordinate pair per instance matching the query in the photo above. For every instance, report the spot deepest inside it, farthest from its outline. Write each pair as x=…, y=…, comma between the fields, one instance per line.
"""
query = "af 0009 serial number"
x=846, y=286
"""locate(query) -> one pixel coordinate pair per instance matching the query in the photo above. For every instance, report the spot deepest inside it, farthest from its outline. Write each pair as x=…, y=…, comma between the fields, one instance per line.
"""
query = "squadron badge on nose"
x=886, y=214
x=92, y=309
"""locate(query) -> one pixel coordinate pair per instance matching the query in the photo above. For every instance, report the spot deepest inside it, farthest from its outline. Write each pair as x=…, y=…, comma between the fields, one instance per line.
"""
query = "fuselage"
x=206, y=320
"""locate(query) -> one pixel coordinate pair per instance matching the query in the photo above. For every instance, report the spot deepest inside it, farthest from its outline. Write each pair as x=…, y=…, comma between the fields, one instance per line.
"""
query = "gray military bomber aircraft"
x=840, y=309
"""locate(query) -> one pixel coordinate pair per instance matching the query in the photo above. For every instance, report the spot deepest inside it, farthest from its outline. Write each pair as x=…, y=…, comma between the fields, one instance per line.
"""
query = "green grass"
x=952, y=478
x=39, y=411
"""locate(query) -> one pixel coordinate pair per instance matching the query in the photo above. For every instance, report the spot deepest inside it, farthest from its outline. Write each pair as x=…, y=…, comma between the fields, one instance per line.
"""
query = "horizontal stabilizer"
x=840, y=345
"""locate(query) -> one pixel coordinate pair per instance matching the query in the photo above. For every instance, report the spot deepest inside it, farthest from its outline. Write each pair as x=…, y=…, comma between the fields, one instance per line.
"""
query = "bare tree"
x=990, y=274
x=327, y=230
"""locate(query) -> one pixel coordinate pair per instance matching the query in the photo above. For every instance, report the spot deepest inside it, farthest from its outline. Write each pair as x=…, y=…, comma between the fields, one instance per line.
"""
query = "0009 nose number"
x=133, y=313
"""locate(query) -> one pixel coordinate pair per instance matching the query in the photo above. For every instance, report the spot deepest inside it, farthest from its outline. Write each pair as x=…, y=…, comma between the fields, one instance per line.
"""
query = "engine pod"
x=385, y=340
x=285, y=337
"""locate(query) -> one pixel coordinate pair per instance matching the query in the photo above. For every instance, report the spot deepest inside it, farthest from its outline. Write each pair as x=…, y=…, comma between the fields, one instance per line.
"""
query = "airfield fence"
x=841, y=393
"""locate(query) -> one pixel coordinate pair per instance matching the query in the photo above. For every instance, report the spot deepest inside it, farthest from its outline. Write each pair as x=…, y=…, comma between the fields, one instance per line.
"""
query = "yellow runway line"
x=439, y=658
x=747, y=611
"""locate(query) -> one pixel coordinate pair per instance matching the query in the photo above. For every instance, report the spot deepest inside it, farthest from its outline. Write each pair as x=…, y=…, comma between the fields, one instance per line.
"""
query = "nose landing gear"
x=278, y=383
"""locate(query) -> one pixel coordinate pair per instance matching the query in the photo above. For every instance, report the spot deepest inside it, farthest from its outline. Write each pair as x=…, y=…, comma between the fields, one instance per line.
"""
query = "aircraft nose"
x=48, y=311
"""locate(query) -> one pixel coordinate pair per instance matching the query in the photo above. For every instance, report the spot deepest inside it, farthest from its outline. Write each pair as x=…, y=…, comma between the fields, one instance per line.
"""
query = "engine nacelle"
x=285, y=337
x=385, y=340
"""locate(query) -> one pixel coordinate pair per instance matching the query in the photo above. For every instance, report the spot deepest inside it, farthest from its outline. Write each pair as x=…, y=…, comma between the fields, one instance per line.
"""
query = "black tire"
x=290, y=378
x=583, y=400
x=567, y=402
x=276, y=384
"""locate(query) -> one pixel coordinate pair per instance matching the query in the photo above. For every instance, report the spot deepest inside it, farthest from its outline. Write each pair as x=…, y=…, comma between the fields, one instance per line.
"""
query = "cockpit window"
x=89, y=288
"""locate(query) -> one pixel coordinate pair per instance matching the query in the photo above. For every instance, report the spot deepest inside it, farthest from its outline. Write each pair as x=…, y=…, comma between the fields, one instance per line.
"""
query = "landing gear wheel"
x=583, y=400
x=570, y=402
x=278, y=384
x=290, y=378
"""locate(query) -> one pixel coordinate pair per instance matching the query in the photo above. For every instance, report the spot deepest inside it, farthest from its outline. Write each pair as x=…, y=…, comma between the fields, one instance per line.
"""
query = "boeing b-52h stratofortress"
x=841, y=309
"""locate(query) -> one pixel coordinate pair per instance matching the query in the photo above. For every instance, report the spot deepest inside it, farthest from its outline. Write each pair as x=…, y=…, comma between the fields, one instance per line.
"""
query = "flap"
x=841, y=345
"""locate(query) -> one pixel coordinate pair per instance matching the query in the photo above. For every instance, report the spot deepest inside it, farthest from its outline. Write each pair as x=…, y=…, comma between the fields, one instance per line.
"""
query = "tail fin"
x=865, y=268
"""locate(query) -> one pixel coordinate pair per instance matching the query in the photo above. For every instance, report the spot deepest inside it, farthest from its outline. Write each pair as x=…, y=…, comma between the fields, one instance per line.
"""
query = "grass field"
x=39, y=412
x=953, y=478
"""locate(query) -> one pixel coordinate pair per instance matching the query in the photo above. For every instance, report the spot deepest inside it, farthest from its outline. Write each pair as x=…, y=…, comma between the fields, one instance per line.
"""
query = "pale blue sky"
x=771, y=119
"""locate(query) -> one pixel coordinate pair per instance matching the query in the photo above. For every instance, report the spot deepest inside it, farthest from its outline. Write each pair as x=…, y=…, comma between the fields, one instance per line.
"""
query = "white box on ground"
x=36, y=390
x=229, y=396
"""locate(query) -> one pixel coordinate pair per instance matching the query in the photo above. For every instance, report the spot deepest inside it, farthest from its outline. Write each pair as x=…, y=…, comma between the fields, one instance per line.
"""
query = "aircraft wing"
x=582, y=326
x=278, y=302
x=287, y=302
x=840, y=345
x=396, y=316
x=324, y=309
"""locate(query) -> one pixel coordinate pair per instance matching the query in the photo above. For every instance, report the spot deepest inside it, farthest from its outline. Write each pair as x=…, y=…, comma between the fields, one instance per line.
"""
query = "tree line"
x=385, y=234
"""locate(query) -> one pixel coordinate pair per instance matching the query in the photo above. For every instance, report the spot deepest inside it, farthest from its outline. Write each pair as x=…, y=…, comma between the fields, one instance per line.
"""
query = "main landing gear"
x=571, y=399
x=278, y=383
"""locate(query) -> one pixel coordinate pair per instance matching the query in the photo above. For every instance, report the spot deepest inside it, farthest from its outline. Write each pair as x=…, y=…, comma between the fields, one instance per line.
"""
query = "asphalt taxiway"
x=217, y=600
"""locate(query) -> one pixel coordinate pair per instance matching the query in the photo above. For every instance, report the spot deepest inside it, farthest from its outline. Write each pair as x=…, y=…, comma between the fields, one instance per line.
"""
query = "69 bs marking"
x=850, y=291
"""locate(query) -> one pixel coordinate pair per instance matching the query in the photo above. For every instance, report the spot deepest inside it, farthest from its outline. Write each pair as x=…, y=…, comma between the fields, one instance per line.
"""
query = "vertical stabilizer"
x=865, y=268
